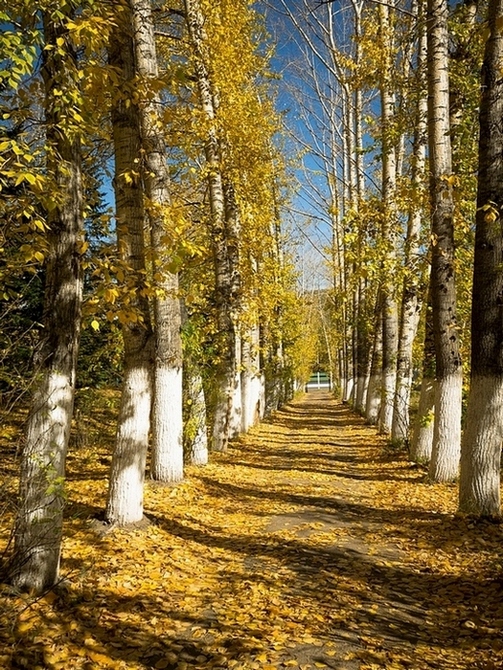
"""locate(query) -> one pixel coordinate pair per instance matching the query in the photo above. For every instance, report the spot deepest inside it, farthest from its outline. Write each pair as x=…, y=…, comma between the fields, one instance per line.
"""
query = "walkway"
x=306, y=546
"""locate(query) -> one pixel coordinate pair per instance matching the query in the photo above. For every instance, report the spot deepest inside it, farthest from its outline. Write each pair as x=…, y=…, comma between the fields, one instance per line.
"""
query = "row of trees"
x=172, y=105
x=389, y=97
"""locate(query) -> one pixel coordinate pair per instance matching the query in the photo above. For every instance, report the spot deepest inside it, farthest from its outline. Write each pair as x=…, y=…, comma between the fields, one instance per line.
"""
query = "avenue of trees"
x=398, y=106
x=185, y=295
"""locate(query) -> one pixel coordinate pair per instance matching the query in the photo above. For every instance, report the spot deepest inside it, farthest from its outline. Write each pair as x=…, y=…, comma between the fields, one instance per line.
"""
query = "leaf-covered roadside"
x=308, y=545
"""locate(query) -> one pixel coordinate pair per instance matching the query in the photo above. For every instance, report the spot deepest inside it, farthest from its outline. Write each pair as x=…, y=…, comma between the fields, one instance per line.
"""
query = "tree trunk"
x=167, y=447
x=447, y=428
x=389, y=305
x=422, y=437
x=373, y=405
x=195, y=435
x=127, y=474
x=251, y=380
x=223, y=222
x=479, y=491
x=38, y=528
x=411, y=298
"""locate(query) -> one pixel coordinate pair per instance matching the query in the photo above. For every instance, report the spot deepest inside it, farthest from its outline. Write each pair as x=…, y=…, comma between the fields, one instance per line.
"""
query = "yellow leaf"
x=95, y=324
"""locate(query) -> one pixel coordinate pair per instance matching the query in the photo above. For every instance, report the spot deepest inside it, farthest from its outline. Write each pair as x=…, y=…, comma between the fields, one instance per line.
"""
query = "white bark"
x=167, y=443
x=444, y=464
x=197, y=441
x=251, y=380
x=481, y=451
x=127, y=474
x=167, y=459
x=422, y=436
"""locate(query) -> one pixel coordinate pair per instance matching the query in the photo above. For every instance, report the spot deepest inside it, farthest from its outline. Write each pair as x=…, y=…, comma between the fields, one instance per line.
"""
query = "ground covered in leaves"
x=308, y=545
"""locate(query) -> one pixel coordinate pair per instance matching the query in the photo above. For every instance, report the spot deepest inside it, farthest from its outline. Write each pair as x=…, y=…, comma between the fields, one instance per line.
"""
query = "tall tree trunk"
x=127, y=474
x=447, y=428
x=251, y=379
x=224, y=239
x=373, y=404
x=167, y=447
x=479, y=491
x=411, y=297
x=390, y=314
x=422, y=436
x=39, y=521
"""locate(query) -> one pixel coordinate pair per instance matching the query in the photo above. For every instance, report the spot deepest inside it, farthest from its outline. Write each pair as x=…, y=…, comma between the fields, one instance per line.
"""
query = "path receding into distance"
x=357, y=567
x=343, y=554
x=308, y=545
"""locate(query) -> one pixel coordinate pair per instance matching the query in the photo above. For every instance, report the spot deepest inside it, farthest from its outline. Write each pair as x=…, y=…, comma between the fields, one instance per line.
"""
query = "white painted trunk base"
x=400, y=423
x=198, y=450
x=39, y=522
x=373, y=406
x=479, y=490
x=167, y=426
x=444, y=464
x=422, y=436
x=236, y=411
x=348, y=390
x=127, y=475
x=387, y=403
x=253, y=409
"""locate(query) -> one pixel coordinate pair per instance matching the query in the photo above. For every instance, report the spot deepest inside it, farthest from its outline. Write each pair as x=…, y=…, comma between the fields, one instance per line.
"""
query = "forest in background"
x=184, y=292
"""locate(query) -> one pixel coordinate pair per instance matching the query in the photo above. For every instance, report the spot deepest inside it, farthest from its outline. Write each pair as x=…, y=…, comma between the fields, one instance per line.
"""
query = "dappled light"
x=310, y=544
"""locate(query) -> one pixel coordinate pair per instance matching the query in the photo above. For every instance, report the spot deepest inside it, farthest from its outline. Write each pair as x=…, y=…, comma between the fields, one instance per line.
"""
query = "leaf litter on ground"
x=308, y=545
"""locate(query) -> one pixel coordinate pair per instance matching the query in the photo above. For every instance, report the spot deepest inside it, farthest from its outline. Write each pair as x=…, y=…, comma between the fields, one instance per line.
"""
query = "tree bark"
x=251, y=380
x=167, y=445
x=479, y=491
x=410, y=311
x=422, y=436
x=224, y=238
x=38, y=527
x=447, y=428
x=373, y=404
x=127, y=474
x=389, y=304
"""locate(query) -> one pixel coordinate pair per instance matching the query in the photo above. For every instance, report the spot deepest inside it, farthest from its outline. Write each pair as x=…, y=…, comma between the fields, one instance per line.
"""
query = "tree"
x=479, y=486
x=223, y=221
x=167, y=447
x=37, y=534
x=389, y=171
x=447, y=427
x=127, y=473
x=413, y=258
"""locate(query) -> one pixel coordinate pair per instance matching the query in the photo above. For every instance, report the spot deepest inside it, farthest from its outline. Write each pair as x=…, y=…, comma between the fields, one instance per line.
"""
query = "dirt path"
x=307, y=545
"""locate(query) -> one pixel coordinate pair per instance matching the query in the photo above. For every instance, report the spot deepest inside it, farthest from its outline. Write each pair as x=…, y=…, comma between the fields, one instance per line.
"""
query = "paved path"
x=322, y=458
x=305, y=546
